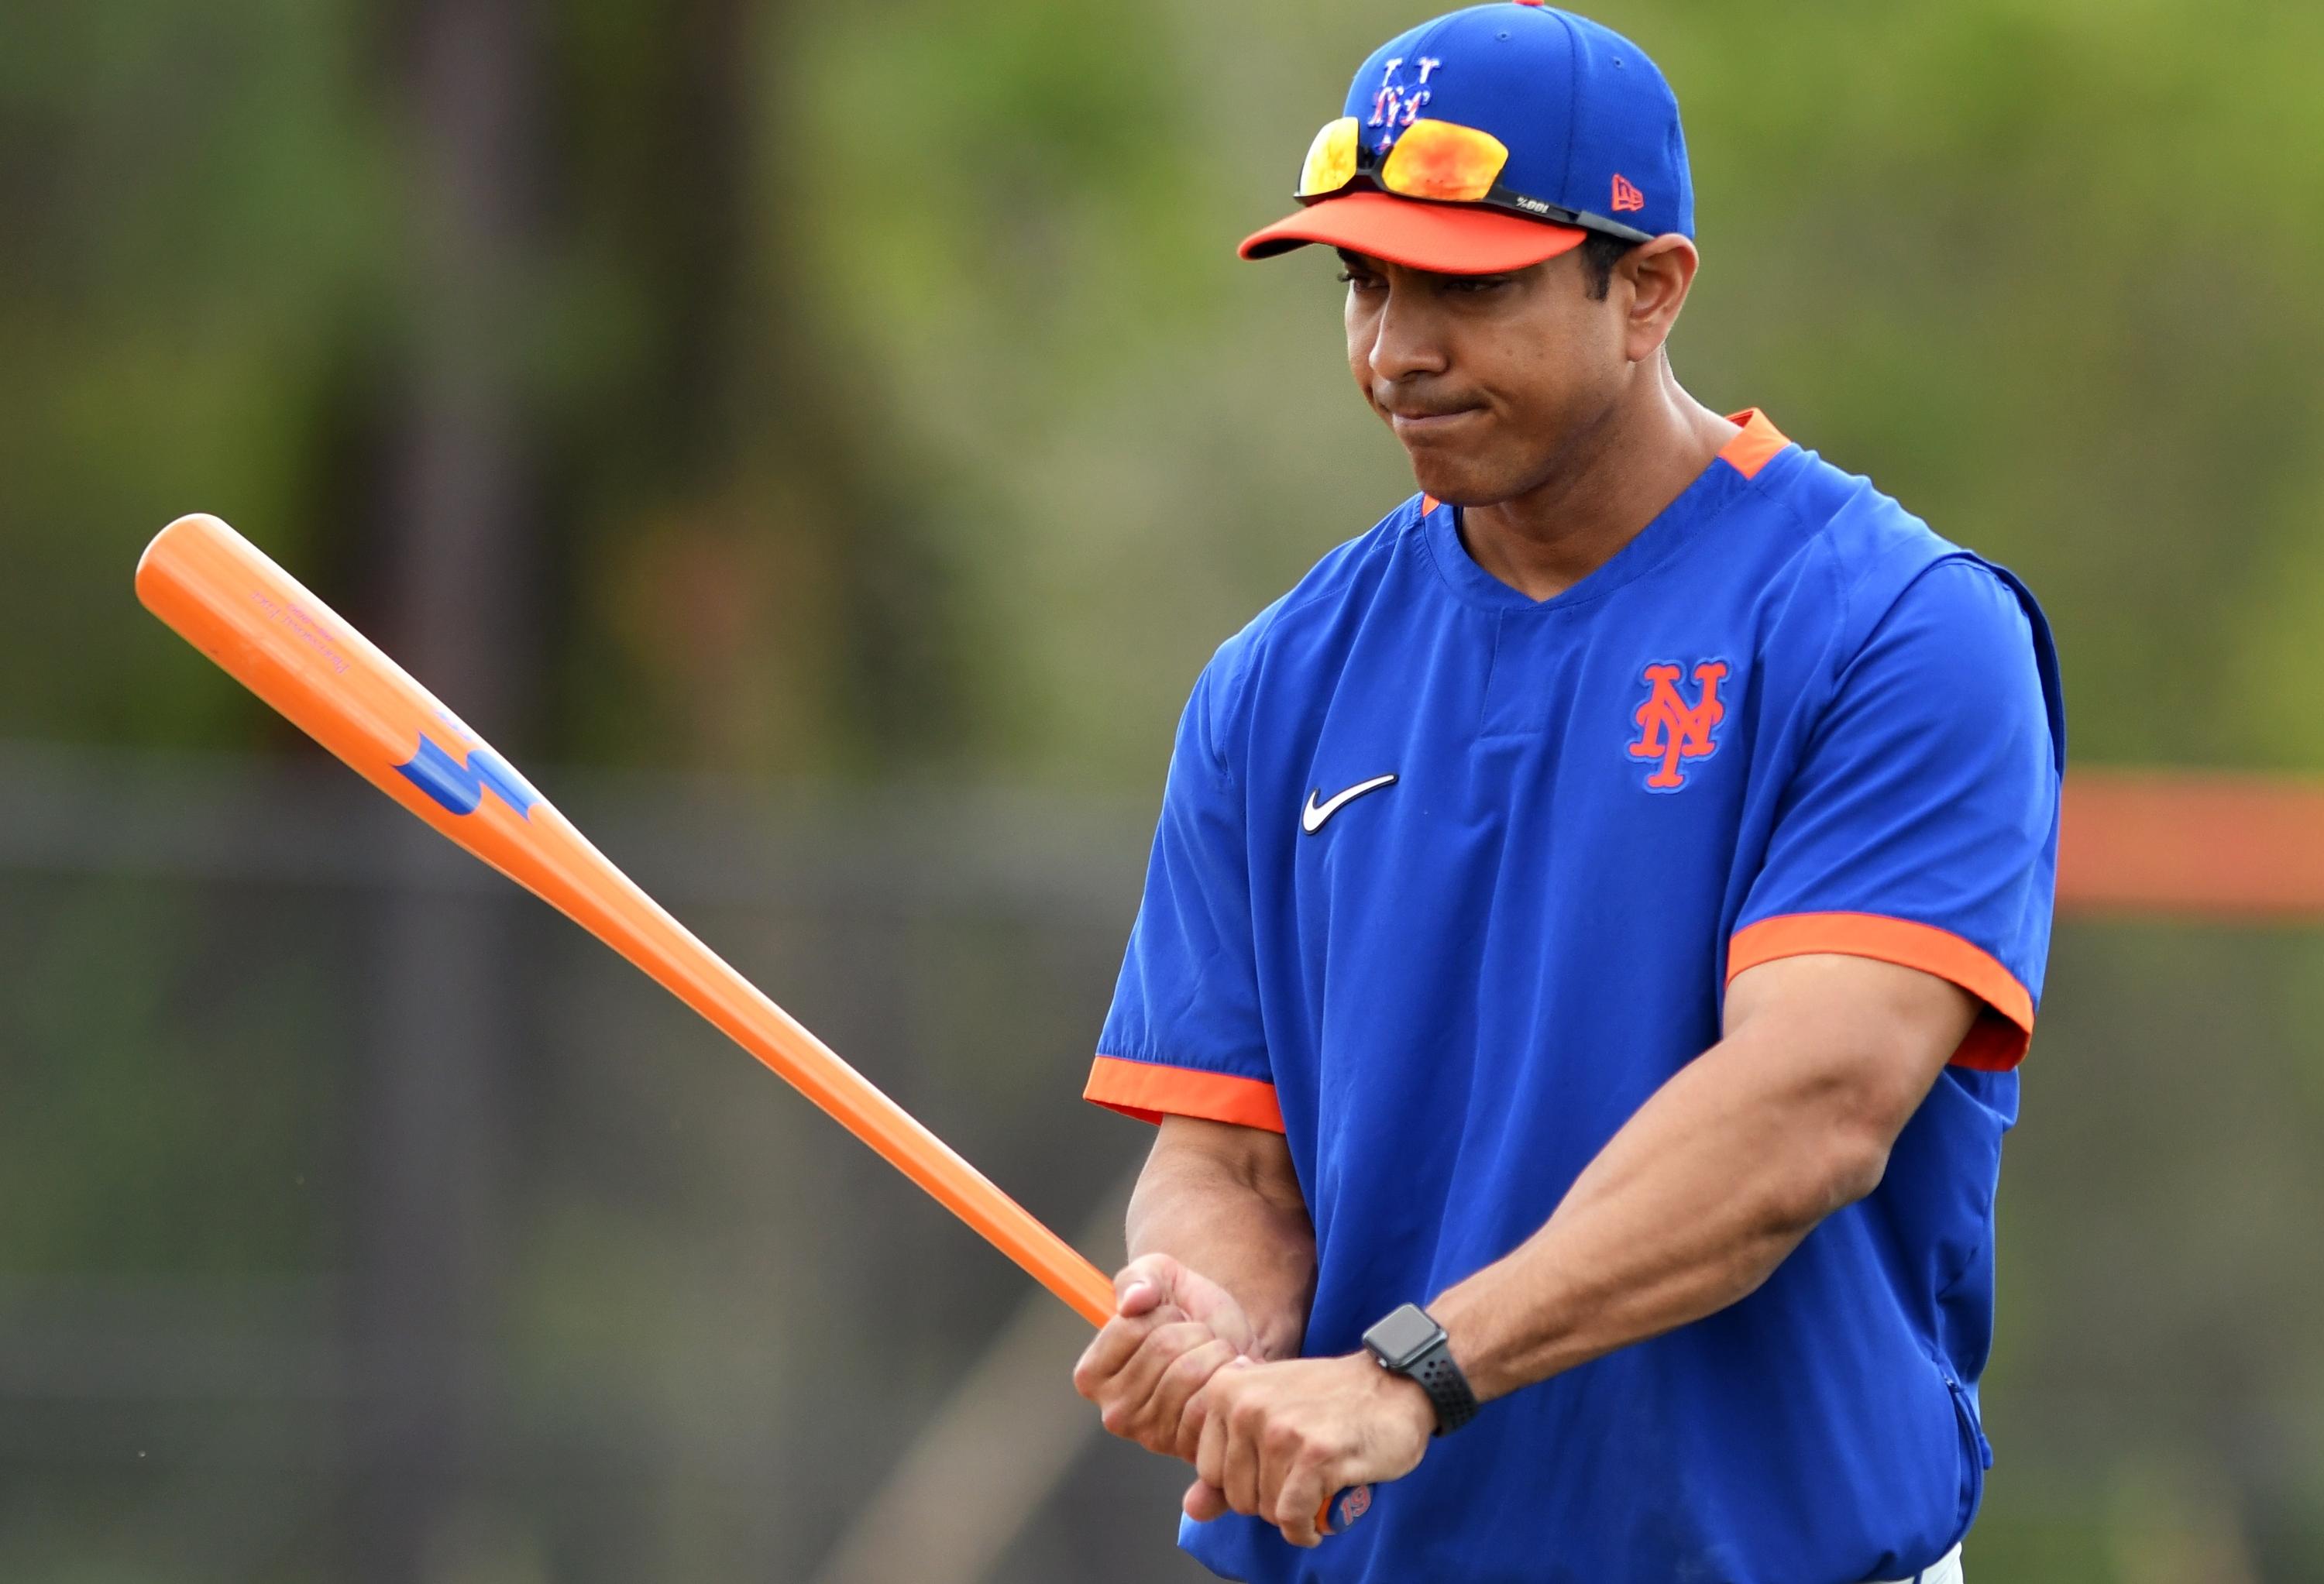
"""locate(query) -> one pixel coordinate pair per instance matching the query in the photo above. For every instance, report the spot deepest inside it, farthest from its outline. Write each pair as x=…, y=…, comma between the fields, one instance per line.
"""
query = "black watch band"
x=1408, y=1342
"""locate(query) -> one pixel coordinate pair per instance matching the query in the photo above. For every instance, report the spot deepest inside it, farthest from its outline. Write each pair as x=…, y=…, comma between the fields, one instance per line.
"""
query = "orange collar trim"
x=1760, y=443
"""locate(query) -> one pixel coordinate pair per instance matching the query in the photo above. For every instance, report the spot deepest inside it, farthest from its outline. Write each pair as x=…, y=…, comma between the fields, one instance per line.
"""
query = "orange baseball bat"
x=226, y=597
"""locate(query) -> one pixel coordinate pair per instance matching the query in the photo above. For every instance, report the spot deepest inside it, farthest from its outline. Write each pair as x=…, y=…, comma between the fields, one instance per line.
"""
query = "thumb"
x=1145, y=1284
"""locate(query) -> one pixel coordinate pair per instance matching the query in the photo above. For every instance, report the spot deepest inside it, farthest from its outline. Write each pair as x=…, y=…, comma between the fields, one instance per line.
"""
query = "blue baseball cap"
x=1590, y=126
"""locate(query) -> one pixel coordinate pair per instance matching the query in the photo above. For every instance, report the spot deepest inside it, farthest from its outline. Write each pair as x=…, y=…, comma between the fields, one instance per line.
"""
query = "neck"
x=1611, y=479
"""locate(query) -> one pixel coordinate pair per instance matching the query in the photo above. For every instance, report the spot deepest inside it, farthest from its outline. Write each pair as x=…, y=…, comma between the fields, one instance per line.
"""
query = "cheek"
x=1557, y=362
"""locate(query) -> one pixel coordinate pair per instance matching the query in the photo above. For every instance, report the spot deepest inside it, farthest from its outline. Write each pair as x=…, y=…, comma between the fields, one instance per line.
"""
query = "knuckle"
x=1193, y=1365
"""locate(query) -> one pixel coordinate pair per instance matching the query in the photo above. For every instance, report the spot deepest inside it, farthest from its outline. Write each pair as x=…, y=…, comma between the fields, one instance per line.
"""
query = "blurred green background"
x=821, y=443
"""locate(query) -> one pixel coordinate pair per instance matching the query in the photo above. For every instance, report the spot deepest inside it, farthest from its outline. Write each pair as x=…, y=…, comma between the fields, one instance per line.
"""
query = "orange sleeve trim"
x=1150, y=1091
x=1997, y=1041
x=1760, y=443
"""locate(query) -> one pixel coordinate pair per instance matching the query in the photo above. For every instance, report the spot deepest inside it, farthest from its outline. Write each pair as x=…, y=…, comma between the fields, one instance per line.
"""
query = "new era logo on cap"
x=1627, y=197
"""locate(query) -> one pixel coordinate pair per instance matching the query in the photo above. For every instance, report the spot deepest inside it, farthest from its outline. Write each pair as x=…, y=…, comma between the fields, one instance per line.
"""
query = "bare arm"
x=1223, y=1201
x=1693, y=1203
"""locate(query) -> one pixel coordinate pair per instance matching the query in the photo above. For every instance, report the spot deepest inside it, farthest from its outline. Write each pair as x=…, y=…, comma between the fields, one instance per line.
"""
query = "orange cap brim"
x=1447, y=238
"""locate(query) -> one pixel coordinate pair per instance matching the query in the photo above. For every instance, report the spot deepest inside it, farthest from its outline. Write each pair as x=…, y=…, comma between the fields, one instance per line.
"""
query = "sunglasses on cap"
x=1438, y=162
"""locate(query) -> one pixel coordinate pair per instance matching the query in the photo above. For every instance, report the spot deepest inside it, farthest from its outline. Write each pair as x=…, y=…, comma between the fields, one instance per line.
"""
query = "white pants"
x=1948, y=1571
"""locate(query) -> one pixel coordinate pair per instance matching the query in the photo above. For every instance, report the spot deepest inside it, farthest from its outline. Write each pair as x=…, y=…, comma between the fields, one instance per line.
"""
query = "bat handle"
x=1344, y=1509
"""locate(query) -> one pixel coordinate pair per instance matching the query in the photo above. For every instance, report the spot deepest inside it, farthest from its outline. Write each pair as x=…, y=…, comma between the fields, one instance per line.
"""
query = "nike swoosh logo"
x=1312, y=817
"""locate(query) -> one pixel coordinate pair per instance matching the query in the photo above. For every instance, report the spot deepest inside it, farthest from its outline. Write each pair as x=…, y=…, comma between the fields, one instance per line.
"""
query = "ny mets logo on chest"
x=1671, y=731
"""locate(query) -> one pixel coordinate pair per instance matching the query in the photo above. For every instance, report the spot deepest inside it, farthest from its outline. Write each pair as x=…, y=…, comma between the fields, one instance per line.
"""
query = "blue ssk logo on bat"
x=460, y=785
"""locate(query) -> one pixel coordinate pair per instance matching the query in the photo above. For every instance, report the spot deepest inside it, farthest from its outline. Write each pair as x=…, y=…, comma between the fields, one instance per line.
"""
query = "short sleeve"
x=1921, y=828
x=1184, y=1036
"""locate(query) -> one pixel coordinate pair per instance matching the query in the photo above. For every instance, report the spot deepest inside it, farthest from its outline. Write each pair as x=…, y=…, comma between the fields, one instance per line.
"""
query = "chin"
x=1454, y=484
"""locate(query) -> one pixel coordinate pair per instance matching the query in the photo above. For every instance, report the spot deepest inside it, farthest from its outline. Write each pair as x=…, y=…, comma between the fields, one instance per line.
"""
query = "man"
x=1593, y=924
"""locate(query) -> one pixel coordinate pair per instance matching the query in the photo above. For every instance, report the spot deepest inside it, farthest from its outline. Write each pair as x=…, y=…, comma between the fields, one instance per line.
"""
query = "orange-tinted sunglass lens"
x=1331, y=159
x=1442, y=159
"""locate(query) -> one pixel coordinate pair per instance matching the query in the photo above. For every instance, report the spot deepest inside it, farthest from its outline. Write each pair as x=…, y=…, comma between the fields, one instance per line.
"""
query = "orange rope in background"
x=2220, y=846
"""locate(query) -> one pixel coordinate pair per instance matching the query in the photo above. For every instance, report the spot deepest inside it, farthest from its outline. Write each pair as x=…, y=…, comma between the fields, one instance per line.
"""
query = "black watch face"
x=1402, y=1334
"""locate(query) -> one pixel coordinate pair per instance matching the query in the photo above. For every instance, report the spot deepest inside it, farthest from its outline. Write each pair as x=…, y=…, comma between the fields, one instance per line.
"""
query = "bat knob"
x=1344, y=1509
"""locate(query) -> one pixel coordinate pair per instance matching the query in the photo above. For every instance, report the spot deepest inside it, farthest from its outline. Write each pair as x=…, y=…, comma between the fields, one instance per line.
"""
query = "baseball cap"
x=1524, y=129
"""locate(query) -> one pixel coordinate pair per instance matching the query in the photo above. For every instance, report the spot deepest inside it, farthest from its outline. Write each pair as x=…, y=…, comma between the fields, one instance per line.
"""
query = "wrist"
x=1470, y=1348
x=1408, y=1342
x=1400, y=1395
x=1503, y=1342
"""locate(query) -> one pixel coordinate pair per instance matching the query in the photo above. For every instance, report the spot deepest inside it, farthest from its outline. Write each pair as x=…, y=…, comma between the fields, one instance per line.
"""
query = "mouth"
x=1418, y=423
x=1428, y=414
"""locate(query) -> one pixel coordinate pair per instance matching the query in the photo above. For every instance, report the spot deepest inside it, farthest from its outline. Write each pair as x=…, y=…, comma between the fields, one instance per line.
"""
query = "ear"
x=1651, y=282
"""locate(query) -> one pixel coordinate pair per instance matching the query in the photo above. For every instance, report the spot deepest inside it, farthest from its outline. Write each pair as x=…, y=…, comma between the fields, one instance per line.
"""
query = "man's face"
x=1484, y=378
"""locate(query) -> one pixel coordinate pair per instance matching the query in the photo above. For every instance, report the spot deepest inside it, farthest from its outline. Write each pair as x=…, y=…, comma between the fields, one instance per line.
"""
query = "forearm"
x=1248, y=1235
x=1688, y=1209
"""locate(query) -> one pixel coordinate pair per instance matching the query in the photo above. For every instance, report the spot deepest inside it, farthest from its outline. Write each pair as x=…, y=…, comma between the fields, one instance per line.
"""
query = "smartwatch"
x=1409, y=1343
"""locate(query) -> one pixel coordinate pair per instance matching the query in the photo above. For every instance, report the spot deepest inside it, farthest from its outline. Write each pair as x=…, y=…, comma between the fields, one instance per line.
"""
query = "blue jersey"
x=1448, y=882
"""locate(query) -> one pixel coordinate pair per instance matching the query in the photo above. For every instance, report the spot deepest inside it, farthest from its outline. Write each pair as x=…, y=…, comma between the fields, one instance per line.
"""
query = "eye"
x=1479, y=284
x=1351, y=278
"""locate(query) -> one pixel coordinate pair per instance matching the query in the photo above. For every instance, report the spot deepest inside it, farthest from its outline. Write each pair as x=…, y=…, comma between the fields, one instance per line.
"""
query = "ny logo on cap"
x=1396, y=106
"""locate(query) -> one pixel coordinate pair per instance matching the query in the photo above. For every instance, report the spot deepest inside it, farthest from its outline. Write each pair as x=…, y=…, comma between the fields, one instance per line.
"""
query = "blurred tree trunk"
x=761, y=402
x=457, y=565
x=743, y=396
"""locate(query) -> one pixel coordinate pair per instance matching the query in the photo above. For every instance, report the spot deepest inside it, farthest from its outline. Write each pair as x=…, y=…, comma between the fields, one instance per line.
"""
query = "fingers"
x=1210, y=1440
x=1297, y=1504
x=1116, y=1342
x=1171, y=1411
x=1277, y=1440
x=1203, y=1502
x=1252, y=1462
x=1238, y=1469
x=1144, y=1368
x=1296, y=1520
x=1141, y=1288
x=1129, y=1403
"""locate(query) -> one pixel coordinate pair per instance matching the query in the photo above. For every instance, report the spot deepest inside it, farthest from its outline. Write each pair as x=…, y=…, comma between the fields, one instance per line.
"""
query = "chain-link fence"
x=361, y=1220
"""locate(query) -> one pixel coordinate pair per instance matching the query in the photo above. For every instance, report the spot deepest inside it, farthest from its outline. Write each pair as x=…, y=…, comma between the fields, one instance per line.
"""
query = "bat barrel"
x=225, y=596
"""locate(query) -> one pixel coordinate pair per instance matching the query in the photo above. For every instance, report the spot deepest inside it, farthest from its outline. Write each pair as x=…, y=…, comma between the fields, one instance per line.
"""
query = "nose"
x=1404, y=338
